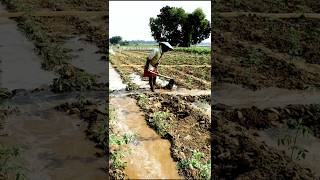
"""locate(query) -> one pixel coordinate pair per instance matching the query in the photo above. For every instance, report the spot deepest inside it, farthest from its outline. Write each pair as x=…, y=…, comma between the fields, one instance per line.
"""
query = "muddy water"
x=115, y=82
x=20, y=67
x=150, y=157
x=238, y=96
x=311, y=143
x=86, y=58
x=55, y=144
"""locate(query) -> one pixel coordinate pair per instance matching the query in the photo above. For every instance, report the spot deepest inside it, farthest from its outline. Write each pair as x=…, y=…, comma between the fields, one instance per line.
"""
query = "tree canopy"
x=115, y=39
x=177, y=27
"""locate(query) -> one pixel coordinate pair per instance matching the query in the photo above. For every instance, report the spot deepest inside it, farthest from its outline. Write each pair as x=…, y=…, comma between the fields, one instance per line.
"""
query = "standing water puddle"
x=150, y=158
x=20, y=66
x=235, y=95
x=115, y=82
x=86, y=58
x=312, y=144
x=55, y=144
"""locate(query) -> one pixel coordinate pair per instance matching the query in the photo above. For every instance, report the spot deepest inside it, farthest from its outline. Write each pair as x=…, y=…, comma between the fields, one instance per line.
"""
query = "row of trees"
x=118, y=40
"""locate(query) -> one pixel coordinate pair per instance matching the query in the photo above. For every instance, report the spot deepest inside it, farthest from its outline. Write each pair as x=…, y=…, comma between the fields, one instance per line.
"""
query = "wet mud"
x=55, y=145
x=150, y=157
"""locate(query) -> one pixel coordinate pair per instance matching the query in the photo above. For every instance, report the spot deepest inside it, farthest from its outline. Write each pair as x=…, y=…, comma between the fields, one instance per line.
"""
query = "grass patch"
x=195, y=49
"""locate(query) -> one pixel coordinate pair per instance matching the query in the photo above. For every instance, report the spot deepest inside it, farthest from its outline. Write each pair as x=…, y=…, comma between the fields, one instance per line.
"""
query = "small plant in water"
x=291, y=140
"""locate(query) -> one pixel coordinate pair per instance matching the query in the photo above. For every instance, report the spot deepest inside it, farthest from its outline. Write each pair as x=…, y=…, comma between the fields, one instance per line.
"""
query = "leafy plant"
x=8, y=156
x=159, y=121
x=294, y=38
x=195, y=162
x=143, y=101
x=291, y=141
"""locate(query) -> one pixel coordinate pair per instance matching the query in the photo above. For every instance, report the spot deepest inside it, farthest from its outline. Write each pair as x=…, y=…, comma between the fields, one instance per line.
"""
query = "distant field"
x=146, y=47
x=190, y=70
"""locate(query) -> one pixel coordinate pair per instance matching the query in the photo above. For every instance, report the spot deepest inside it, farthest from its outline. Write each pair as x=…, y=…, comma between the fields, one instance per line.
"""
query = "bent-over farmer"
x=153, y=60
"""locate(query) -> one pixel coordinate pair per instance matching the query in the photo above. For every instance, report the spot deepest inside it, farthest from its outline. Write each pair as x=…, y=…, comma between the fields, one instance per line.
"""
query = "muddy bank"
x=150, y=155
x=264, y=128
x=185, y=126
x=23, y=69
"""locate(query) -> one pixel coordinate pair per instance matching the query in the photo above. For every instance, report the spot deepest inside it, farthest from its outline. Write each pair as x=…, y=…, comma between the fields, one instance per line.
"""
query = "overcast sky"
x=130, y=19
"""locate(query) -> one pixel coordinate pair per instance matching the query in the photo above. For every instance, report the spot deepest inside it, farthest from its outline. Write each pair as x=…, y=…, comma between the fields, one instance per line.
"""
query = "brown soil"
x=260, y=55
x=239, y=155
x=189, y=129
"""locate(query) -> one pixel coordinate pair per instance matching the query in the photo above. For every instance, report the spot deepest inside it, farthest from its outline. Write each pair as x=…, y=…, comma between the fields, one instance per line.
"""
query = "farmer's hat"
x=166, y=44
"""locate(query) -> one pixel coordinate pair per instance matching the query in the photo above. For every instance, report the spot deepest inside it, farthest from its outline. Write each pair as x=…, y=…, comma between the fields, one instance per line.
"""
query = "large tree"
x=180, y=28
x=115, y=39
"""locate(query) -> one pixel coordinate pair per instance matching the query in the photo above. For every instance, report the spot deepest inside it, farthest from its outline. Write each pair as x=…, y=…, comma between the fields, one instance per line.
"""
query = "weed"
x=291, y=141
x=117, y=159
x=159, y=121
x=7, y=165
x=195, y=162
x=143, y=101
x=112, y=116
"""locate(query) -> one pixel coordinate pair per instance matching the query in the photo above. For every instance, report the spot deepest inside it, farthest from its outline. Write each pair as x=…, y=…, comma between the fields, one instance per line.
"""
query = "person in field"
x=153, y=60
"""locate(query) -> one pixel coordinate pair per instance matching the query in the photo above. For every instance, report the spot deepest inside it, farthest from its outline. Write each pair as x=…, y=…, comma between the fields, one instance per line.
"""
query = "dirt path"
x=20, y=66
x=235, y=95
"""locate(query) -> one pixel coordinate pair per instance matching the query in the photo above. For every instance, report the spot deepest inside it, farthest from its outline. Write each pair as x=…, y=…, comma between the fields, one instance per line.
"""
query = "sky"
x=130, y=19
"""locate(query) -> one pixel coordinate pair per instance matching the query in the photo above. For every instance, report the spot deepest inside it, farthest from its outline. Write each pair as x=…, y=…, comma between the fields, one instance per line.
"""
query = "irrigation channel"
x=150, y=157
x=54, y=144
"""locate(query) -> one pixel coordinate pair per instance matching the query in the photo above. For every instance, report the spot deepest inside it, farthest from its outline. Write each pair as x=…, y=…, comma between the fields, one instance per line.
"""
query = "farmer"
x=153, y=60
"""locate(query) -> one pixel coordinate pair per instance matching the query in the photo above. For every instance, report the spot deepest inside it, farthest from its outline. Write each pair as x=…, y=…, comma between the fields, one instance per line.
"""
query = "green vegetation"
x=291, y=140
x=118, y=146
x=143, y=101
x=177, y=27
x=54, y=56
x=159, y=120
x=195, y=49
x=8, y=156
x=204, y=169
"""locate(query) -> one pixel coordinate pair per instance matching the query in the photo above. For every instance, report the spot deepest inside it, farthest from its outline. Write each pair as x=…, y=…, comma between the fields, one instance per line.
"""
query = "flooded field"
x=43, y=142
